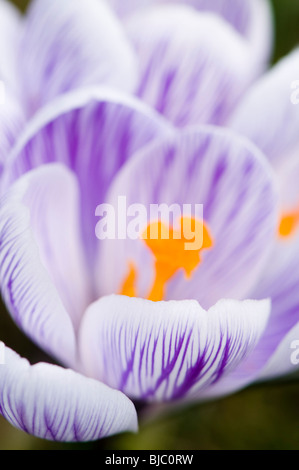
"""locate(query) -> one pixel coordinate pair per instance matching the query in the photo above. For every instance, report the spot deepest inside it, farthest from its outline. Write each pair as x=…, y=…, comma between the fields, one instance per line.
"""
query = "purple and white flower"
x=225, y=89
x=74, y=136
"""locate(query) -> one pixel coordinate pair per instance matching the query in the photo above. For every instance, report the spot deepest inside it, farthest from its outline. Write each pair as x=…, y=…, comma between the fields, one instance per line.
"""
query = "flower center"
x=172, y=250
x=289, y=223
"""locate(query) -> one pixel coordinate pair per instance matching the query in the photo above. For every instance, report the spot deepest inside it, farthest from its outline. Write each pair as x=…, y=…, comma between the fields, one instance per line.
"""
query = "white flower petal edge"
x=165, y=351
x=253, y=19
x=267, y=114
x=71, y=44
x=183, y=72
x=58, y=404
x=26, y=286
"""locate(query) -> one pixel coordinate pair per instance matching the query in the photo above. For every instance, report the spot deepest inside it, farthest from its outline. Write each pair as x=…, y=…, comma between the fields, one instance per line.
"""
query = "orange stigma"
x=128, y=288
x=289, y=223
x=172, y=250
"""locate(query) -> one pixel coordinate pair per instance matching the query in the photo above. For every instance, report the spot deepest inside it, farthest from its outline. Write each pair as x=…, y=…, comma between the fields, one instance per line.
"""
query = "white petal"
x=268, y=116
x=40, y=248
x=166, y=351
x=183, y=71
x=252, y=19
x=57, y=404
x=72, y=44
x=285, y=359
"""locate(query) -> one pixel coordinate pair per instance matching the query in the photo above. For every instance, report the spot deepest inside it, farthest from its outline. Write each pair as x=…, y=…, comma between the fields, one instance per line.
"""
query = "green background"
x=261, y=417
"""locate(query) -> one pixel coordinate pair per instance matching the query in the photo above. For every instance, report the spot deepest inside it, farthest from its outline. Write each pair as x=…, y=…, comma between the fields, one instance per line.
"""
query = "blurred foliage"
x=22, y=4
x=261, y=417
x=286, y=17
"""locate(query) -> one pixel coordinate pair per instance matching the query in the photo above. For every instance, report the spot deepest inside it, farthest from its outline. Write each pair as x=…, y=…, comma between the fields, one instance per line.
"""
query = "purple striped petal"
x=42, y=273
x=235, y=185
x=251, y=18
x=279, y=280
x=267, y=114
x=163, y=351
x=272, y=356
x=270, y=118
x=264, y=363
x=12, y=122
x=12, y=117
x=184, y=73
x=57, y=404
x=71, y=44
x=93, y=132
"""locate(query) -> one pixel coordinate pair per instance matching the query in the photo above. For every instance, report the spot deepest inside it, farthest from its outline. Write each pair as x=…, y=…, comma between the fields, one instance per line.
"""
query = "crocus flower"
x=72, y=294
x=56, y=277
x=225, y=89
